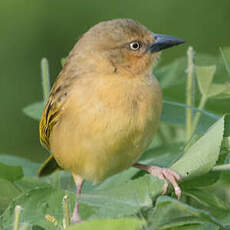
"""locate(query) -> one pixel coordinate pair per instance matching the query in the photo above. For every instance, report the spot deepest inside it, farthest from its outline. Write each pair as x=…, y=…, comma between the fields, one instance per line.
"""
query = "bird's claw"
x=167, y=175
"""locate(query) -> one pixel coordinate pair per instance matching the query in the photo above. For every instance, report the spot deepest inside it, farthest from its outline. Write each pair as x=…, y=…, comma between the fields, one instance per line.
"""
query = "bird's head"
x=123, y=46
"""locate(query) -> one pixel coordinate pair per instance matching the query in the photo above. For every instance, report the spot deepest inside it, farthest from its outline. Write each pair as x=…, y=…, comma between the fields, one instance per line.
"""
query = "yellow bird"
x=104, y=108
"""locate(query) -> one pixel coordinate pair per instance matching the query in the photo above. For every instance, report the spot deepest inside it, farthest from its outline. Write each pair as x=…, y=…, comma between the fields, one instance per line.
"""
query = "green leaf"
x=209, y=200
x=201, y=157
x=26, y=184
x=201, y=181
x=10, y=173
x=170, y=213
x=224, y=91
x=125, y=199
x=8, y=191
x=39, y=202
x=205, y=76
x=217, y=89
x=110, y=224
x=34, y=110
x=29, y=168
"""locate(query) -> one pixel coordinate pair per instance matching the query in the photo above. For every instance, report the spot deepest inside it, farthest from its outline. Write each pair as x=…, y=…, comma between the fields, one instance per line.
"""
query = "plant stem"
x=224, y=167
x=189, y=93
x=45, y=78
x=17, y=213
x=66, y=211
x=225, y=61
x=197, y=116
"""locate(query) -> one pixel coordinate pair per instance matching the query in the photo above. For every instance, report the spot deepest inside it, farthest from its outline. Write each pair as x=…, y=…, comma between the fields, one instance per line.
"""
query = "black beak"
x=164, y=41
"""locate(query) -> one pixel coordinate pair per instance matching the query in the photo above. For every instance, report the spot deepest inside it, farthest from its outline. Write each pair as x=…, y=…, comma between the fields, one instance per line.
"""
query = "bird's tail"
x=49, y=166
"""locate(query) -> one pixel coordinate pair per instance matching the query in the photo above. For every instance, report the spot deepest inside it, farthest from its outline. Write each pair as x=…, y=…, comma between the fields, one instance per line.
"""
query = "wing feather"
x=53, y=110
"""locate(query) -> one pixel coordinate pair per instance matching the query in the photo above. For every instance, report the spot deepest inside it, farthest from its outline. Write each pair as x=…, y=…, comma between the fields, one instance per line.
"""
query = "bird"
x=104, y=108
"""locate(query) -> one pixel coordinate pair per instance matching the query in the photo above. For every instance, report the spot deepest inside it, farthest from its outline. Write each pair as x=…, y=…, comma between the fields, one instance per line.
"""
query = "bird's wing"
x=48, y=120
x=51, y=115
x=53, y=109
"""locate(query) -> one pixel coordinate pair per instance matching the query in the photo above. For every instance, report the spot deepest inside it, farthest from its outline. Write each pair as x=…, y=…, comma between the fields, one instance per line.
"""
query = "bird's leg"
x=78, y=182
x=165, y=174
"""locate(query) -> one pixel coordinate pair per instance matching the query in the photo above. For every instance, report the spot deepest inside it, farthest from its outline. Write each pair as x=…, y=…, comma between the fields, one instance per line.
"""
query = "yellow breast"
x=106, y=125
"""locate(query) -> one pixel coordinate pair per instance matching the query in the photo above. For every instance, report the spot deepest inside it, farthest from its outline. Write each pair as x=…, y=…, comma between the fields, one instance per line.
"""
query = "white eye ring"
x=134, y=45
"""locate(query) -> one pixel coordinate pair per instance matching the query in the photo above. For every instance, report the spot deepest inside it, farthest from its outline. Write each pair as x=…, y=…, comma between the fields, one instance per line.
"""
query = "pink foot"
x=76, y=218
x=166, y=175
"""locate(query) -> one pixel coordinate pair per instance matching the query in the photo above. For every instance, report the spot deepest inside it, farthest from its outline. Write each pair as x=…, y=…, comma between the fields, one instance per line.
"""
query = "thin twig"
x=45, y=75
x=189, y=93
x=66, y=209
x=17, y=213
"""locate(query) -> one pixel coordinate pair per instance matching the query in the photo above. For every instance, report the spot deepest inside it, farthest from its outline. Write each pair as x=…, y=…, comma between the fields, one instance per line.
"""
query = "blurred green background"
x=32, y=29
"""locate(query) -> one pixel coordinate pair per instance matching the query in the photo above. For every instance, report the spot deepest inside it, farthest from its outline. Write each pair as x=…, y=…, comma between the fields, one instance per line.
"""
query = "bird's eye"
x=134, y=45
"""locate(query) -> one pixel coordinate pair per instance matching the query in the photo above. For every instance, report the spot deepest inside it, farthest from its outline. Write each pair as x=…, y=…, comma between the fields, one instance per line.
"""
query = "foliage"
x=132, y=199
